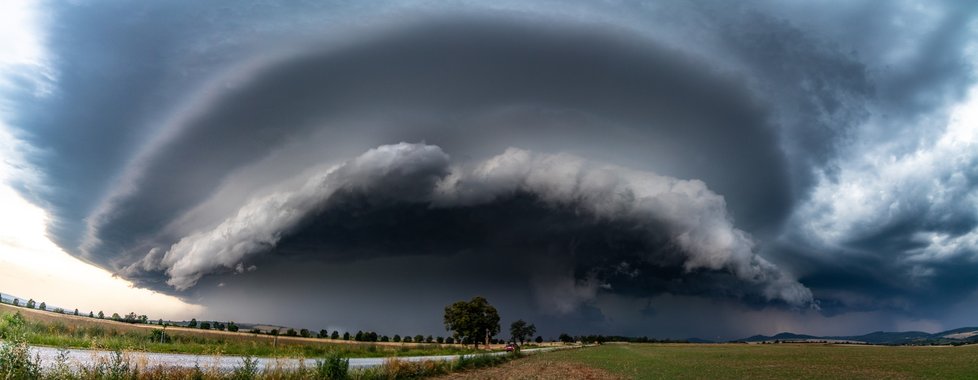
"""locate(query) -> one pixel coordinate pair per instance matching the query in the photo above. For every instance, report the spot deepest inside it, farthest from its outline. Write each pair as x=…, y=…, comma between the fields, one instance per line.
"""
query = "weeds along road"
x=49, y=357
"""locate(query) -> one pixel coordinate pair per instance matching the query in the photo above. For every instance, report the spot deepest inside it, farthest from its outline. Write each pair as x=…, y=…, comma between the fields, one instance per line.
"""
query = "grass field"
x=770, y=361
x=59, y=330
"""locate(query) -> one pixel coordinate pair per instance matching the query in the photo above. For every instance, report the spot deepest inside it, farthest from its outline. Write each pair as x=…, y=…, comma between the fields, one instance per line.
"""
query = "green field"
x=773, y=361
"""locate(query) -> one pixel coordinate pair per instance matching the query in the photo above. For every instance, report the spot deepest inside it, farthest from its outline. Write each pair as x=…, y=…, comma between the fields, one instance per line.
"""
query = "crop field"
x=740, y=361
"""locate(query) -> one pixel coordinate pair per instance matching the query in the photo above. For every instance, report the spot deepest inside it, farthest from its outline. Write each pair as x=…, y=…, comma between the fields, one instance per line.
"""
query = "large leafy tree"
x=521, y=331
x=472, y=321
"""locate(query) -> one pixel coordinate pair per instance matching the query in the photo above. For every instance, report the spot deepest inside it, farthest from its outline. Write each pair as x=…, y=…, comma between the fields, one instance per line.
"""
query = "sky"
x=652, y=168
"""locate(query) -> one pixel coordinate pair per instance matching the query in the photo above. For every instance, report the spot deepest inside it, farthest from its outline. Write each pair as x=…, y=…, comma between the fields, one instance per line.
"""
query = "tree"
x=397, y=338
x=193, y=323
x=304, y=333
x=385, y=339
x=274, y=332
x=116, y=317
x=539, y=339
x=31, y=304
x=516, y=330
x=76, y=312
x=16, y=302
x=346, y=336
x=232, y=327
x=429, y=339
x=565, y=338
x=521, y=331
x=291, y=332
x=474, y=321
x=101, y=315
x=44, y=306
x=323, y=334
x=440, y=340
x=160, y=322
x=419, y=338
x=407, y=339
x=205, y=325
x=90, y=315
x=359, y=336
x=256, y=331
x=335, y=335
x=450, y=340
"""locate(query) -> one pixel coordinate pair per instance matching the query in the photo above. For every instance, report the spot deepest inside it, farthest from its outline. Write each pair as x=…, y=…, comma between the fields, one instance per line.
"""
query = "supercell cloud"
x=646, y=168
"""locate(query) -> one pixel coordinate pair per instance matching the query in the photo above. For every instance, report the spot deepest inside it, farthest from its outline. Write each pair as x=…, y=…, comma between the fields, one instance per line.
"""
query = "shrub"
x=248, y=369
x=12, y=325
x=159, y=336
x=332, y=367
x=16, y=361
x=61, y=368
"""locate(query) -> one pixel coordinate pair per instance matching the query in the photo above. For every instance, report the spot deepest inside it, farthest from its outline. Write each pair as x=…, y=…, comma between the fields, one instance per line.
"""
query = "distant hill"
x=964, y=335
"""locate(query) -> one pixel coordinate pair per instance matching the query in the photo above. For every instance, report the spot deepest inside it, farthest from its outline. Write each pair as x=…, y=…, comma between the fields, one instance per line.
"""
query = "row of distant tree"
x=221, y=326
x=470, y=322
x=128, y=318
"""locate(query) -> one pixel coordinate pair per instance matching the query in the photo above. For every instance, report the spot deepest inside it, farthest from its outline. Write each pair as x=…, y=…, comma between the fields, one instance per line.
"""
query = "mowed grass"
x=774, y=361
x=58, y=330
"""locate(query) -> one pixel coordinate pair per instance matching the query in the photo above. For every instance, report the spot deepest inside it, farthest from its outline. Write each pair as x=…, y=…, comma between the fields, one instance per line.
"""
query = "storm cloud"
x=594, y=165
x=657, y=210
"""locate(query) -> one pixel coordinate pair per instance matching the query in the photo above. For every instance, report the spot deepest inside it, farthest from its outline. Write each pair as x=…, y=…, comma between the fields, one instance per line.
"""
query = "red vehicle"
x=511, y=347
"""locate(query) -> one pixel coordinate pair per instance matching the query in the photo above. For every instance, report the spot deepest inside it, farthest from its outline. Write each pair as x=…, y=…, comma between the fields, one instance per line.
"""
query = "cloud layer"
x=680, y=213
x=806, y=153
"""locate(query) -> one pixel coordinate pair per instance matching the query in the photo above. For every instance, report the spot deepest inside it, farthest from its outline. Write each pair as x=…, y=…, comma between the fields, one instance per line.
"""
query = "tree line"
x=472, y=322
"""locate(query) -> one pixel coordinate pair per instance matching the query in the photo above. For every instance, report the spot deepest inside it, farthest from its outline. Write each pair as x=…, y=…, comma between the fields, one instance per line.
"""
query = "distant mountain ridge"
x=963, y=335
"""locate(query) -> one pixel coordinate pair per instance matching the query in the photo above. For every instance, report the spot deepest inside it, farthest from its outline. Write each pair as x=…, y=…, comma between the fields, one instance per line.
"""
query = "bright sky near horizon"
x=31, y=265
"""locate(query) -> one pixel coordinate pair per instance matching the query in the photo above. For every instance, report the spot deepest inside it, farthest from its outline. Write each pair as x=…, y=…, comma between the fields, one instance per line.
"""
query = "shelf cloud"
x=596, y=166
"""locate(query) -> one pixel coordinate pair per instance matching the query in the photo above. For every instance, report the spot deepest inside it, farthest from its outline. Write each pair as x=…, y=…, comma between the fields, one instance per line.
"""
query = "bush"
x=332, y=367
x=159, y=336
x=12, y=325
x=16, y=361
x=248, y=369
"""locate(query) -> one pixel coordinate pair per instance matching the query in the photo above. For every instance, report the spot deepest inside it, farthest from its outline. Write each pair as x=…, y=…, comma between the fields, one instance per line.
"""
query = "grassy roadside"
x=17, y=363
x=80, y=332
x=780, y=361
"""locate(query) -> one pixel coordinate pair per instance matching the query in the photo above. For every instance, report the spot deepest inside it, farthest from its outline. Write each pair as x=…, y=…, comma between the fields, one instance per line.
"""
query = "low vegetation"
x=93, y=335
x=17, y=363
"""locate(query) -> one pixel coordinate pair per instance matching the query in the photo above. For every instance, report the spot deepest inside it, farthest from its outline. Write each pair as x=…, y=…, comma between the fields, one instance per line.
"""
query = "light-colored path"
x=49, y=356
